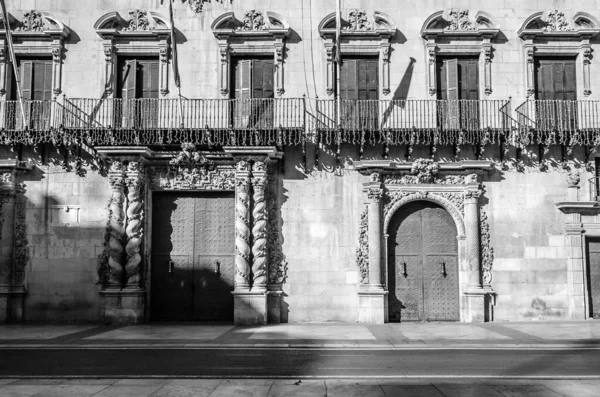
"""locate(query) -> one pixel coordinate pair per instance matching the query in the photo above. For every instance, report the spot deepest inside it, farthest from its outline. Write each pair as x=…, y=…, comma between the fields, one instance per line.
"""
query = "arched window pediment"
x=358, y=23
x=253, y=23
x=136, y=23
x=37, y=23
x=558, y=23
x=459, y=23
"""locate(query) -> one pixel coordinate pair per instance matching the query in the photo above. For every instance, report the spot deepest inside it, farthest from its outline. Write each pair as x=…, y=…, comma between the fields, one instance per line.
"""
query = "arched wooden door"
x=423, y=264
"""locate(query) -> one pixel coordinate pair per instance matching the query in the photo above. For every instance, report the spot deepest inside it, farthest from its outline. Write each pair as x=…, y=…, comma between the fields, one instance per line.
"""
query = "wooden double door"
x=193, y=248
x=593, y=276
x=423, y=264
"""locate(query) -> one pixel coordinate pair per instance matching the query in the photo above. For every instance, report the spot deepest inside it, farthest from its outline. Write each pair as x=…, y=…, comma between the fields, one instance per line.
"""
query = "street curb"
x=292, y=347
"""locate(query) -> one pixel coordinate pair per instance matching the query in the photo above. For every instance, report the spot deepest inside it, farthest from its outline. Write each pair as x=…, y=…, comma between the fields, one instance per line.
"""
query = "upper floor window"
x=138, y=78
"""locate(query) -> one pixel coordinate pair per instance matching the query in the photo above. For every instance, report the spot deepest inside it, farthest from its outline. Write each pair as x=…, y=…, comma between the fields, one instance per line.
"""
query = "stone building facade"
x=454, y=179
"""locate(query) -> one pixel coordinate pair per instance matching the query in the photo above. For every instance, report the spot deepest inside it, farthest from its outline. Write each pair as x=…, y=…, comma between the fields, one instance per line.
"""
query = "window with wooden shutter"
x=458, y=88
x=253, y=90
x=359, y=91
x=26, y=75
x=556, y=89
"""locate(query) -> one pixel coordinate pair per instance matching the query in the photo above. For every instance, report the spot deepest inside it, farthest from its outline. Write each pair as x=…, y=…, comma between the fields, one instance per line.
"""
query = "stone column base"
x=476, y=305
x=372, y=305
x=249, y=308
x=11, y=304
x=122, y=306
x=274, y=307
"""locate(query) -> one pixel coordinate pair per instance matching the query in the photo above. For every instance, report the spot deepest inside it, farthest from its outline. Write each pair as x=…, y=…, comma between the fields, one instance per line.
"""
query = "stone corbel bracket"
x=46, y=38
x=120, y=40
x=554, y=33
x=372, y=37
x=457, y=32
x=266, y=36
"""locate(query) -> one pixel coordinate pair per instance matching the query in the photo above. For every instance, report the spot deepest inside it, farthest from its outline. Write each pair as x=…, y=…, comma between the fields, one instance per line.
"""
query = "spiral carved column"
x=135, y=207
x=259, y=232
x=242, y=227
x=116, y=227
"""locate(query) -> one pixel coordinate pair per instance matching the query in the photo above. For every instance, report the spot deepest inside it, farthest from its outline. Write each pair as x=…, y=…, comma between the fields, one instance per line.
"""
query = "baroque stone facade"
x=315, y=183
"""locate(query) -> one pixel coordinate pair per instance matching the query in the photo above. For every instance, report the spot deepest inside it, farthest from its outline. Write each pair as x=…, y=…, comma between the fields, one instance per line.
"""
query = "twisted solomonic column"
x=242, y=228
x=115, y=228
x=259, y=233
x=134, y=232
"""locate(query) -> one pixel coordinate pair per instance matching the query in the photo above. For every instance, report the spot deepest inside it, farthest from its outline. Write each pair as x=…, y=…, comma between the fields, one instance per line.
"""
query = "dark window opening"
x=556, y=92
x=359, y=93
x=458, y=89
x=136, y=105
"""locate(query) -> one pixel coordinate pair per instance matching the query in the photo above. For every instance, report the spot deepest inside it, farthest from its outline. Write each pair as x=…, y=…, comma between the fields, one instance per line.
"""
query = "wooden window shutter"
x=349, y=79
x=149, y=78
x=470, y=89
x=47, y=81
x=451, y=66
x=262, y=78
x=129, y=82
x=243, y=79
x=373, y=79
x=570, y=87
x=26, y=76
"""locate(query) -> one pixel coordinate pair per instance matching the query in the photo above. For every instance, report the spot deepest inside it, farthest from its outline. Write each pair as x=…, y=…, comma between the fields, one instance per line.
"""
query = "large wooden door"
x=593, y=279
x=192, y=257
x=423, y=264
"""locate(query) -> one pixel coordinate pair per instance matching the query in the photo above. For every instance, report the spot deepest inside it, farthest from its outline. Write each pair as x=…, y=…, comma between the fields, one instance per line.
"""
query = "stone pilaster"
x=473, y=307
x=14, y=252
x=259, y=227
x=372, y=296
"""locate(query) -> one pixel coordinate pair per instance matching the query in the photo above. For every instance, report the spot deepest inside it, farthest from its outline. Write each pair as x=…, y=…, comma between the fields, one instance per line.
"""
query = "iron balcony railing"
x=559, y=116
x=397, y=121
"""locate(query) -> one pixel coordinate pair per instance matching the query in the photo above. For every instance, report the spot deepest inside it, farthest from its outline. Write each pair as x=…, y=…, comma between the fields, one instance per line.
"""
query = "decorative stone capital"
x=375, y=194
x=472, y=196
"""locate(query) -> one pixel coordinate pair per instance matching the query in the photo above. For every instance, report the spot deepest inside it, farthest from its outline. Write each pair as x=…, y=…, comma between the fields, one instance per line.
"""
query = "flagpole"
x=174, y=62
x=338, y=56
x=13, y=58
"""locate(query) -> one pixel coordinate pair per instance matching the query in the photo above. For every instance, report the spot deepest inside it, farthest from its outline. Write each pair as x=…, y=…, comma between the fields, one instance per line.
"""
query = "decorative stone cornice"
x=457, y=23
x=555, y=22
x=138, y=22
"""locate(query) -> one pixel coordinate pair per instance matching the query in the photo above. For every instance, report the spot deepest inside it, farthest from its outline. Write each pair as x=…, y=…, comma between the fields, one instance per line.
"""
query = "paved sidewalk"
x=291, y=388
x=564, y=334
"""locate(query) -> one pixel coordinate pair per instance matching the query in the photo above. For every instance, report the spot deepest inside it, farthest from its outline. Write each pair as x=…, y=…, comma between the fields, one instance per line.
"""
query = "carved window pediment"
x=557, y=23
x=459, y=23
x=37, y=33
x=140, y=32
x=255, y=33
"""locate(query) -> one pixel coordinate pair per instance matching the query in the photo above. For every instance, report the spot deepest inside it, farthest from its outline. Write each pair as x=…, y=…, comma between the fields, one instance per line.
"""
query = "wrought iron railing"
x=38, y=115
x=398, y=121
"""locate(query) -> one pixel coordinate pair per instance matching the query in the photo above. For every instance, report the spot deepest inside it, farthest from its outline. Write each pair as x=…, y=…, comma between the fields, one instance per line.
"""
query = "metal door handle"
x=443, y=264
x=404, y=273
x=217, y=268
x=171, y=267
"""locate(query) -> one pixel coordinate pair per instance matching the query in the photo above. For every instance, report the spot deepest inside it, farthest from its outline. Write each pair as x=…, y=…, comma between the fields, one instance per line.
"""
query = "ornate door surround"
x=135, y=173
x=453, y=186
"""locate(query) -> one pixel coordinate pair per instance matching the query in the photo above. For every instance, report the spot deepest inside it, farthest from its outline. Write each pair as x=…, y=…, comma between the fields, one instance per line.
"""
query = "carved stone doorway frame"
x=135, y=174
x=458, y=191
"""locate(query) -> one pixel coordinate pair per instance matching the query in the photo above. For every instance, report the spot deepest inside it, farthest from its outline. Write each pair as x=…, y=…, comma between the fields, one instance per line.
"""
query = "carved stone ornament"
x=362, y=252
x=459, y=21
x=472, y=194
x=242, y=166
x=375, y=194
x=424, y=170
x=253, y=21
x=487, y=252
x=56, y=55
x=108, y=51
x=375, y=177
x=573, y=179
x=487, y=54
x=5, y=177
x=138, y=21
x=556, y=22
x=198, y=5
x=21, y=245
x=358, y=21
x=163, y=54
x=33, y=21
x=439, y=180
x=259, y=166
x=457, y=199
x=193, y=178
x=277, y=262
x=587, y=55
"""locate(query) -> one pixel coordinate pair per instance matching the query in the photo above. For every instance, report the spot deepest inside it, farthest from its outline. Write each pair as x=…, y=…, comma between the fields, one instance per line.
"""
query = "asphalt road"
x=298, y=362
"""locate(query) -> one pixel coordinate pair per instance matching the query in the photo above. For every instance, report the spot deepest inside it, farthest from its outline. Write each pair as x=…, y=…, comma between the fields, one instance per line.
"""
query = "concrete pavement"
x=296, y=388
x=543, y=335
